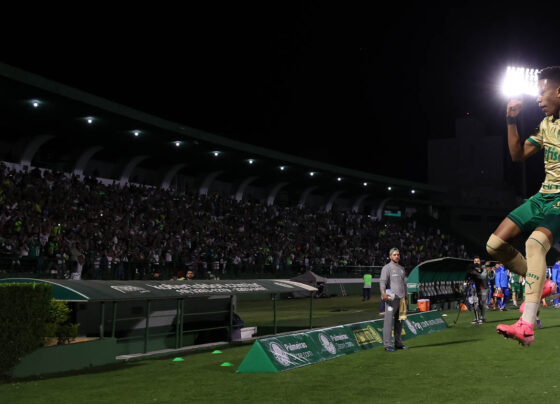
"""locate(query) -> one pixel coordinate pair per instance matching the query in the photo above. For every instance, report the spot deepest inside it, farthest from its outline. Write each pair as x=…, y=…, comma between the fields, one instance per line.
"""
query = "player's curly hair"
x=550, y=73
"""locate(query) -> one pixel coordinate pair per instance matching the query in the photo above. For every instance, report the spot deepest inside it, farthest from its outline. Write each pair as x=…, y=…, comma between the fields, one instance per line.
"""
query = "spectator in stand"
x=47, y=216
x=103, y=266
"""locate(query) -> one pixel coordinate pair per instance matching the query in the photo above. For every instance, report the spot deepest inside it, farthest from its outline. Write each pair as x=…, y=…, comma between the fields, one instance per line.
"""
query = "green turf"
x=293, y=314
x=464, y=364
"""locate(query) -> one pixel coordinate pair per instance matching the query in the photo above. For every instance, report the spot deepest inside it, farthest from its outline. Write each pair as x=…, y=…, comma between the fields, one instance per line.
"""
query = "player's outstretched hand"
x=514, y=108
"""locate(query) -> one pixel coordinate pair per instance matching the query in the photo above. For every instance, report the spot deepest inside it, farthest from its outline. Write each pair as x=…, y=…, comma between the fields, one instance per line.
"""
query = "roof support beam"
x=32, y=147
x=380, y=208
x=333, y=197
x=242, y=186
x=304, y=196
x=130, y=168
x=274, y=192
x=84, y=159
x=207, y=182
x=357, y=205
x=170, y=174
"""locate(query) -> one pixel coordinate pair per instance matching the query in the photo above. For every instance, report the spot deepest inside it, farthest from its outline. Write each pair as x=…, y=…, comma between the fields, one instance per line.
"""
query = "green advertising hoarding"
x=280, y=353
x=334, y=342
x=423, y=324
x=276, y=354
x=368, y=334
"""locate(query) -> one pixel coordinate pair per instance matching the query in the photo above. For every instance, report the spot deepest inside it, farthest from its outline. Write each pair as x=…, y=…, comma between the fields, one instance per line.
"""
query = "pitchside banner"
x=423, y=324
x=333, y=342
x=285, y=352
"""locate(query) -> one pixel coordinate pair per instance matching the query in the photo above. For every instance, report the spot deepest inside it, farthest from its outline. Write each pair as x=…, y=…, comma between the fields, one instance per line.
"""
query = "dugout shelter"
x=309, y=278
x=129, y=317
x=440, y=280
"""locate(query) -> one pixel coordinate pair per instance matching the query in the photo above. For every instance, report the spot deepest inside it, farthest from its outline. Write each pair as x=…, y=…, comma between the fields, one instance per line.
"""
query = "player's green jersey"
x=548, y=138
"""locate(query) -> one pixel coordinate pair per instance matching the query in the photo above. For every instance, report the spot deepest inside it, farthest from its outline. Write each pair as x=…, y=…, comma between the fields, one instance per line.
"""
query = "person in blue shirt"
x=501, y=281
x=556, y=278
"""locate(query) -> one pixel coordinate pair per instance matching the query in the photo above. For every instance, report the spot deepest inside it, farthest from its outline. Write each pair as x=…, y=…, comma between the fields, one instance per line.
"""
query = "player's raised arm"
x=519, y=150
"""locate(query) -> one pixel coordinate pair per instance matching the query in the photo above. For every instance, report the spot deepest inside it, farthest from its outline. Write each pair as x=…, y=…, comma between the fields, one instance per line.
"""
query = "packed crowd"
x=60, y=224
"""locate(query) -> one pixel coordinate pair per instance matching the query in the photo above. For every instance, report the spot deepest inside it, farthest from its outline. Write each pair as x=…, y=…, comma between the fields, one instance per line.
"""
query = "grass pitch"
x=464, y=364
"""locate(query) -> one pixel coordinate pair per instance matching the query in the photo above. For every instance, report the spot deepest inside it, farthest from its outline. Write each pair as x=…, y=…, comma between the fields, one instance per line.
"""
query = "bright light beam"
x=520, y=81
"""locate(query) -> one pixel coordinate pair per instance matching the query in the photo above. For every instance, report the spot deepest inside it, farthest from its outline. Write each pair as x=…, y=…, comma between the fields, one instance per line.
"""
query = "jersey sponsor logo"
x=551, y=154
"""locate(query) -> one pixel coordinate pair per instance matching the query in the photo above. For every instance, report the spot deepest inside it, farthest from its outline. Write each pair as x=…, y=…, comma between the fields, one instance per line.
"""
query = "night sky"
x=353, y=86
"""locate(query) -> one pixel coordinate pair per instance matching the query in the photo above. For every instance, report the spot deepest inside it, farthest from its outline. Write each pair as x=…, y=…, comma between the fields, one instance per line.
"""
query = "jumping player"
x=539, y=215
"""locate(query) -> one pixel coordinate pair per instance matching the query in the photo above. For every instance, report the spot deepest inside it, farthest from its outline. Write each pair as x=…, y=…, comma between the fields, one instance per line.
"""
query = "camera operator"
x=479, y=277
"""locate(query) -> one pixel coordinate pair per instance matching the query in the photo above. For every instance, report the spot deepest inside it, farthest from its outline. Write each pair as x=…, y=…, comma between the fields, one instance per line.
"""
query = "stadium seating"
x=55, y=224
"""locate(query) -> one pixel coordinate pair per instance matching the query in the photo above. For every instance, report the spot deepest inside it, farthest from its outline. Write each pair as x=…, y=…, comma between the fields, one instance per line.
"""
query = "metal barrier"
x=49, y=268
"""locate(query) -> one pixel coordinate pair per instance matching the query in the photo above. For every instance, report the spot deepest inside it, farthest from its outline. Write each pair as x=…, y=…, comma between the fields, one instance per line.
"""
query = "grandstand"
x=160, y=197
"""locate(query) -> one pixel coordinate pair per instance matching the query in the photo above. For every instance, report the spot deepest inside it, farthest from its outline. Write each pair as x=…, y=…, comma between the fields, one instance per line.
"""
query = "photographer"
x=479, y=277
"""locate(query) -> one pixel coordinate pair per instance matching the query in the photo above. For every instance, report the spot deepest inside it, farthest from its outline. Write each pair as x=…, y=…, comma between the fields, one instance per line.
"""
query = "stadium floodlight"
x=389, y=188
x=311, y=174
x=136, y=133
x=250, y=161
x=364, y=184
x=282, y=168
x=339, y=179
x=177, y=143
x=216, y=153
x=412, y=191
x=520, y=81
x=35, y=104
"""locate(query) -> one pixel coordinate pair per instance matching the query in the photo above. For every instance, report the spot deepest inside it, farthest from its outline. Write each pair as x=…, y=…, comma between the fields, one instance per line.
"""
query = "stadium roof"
x=91, y=290
x=33, y=106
